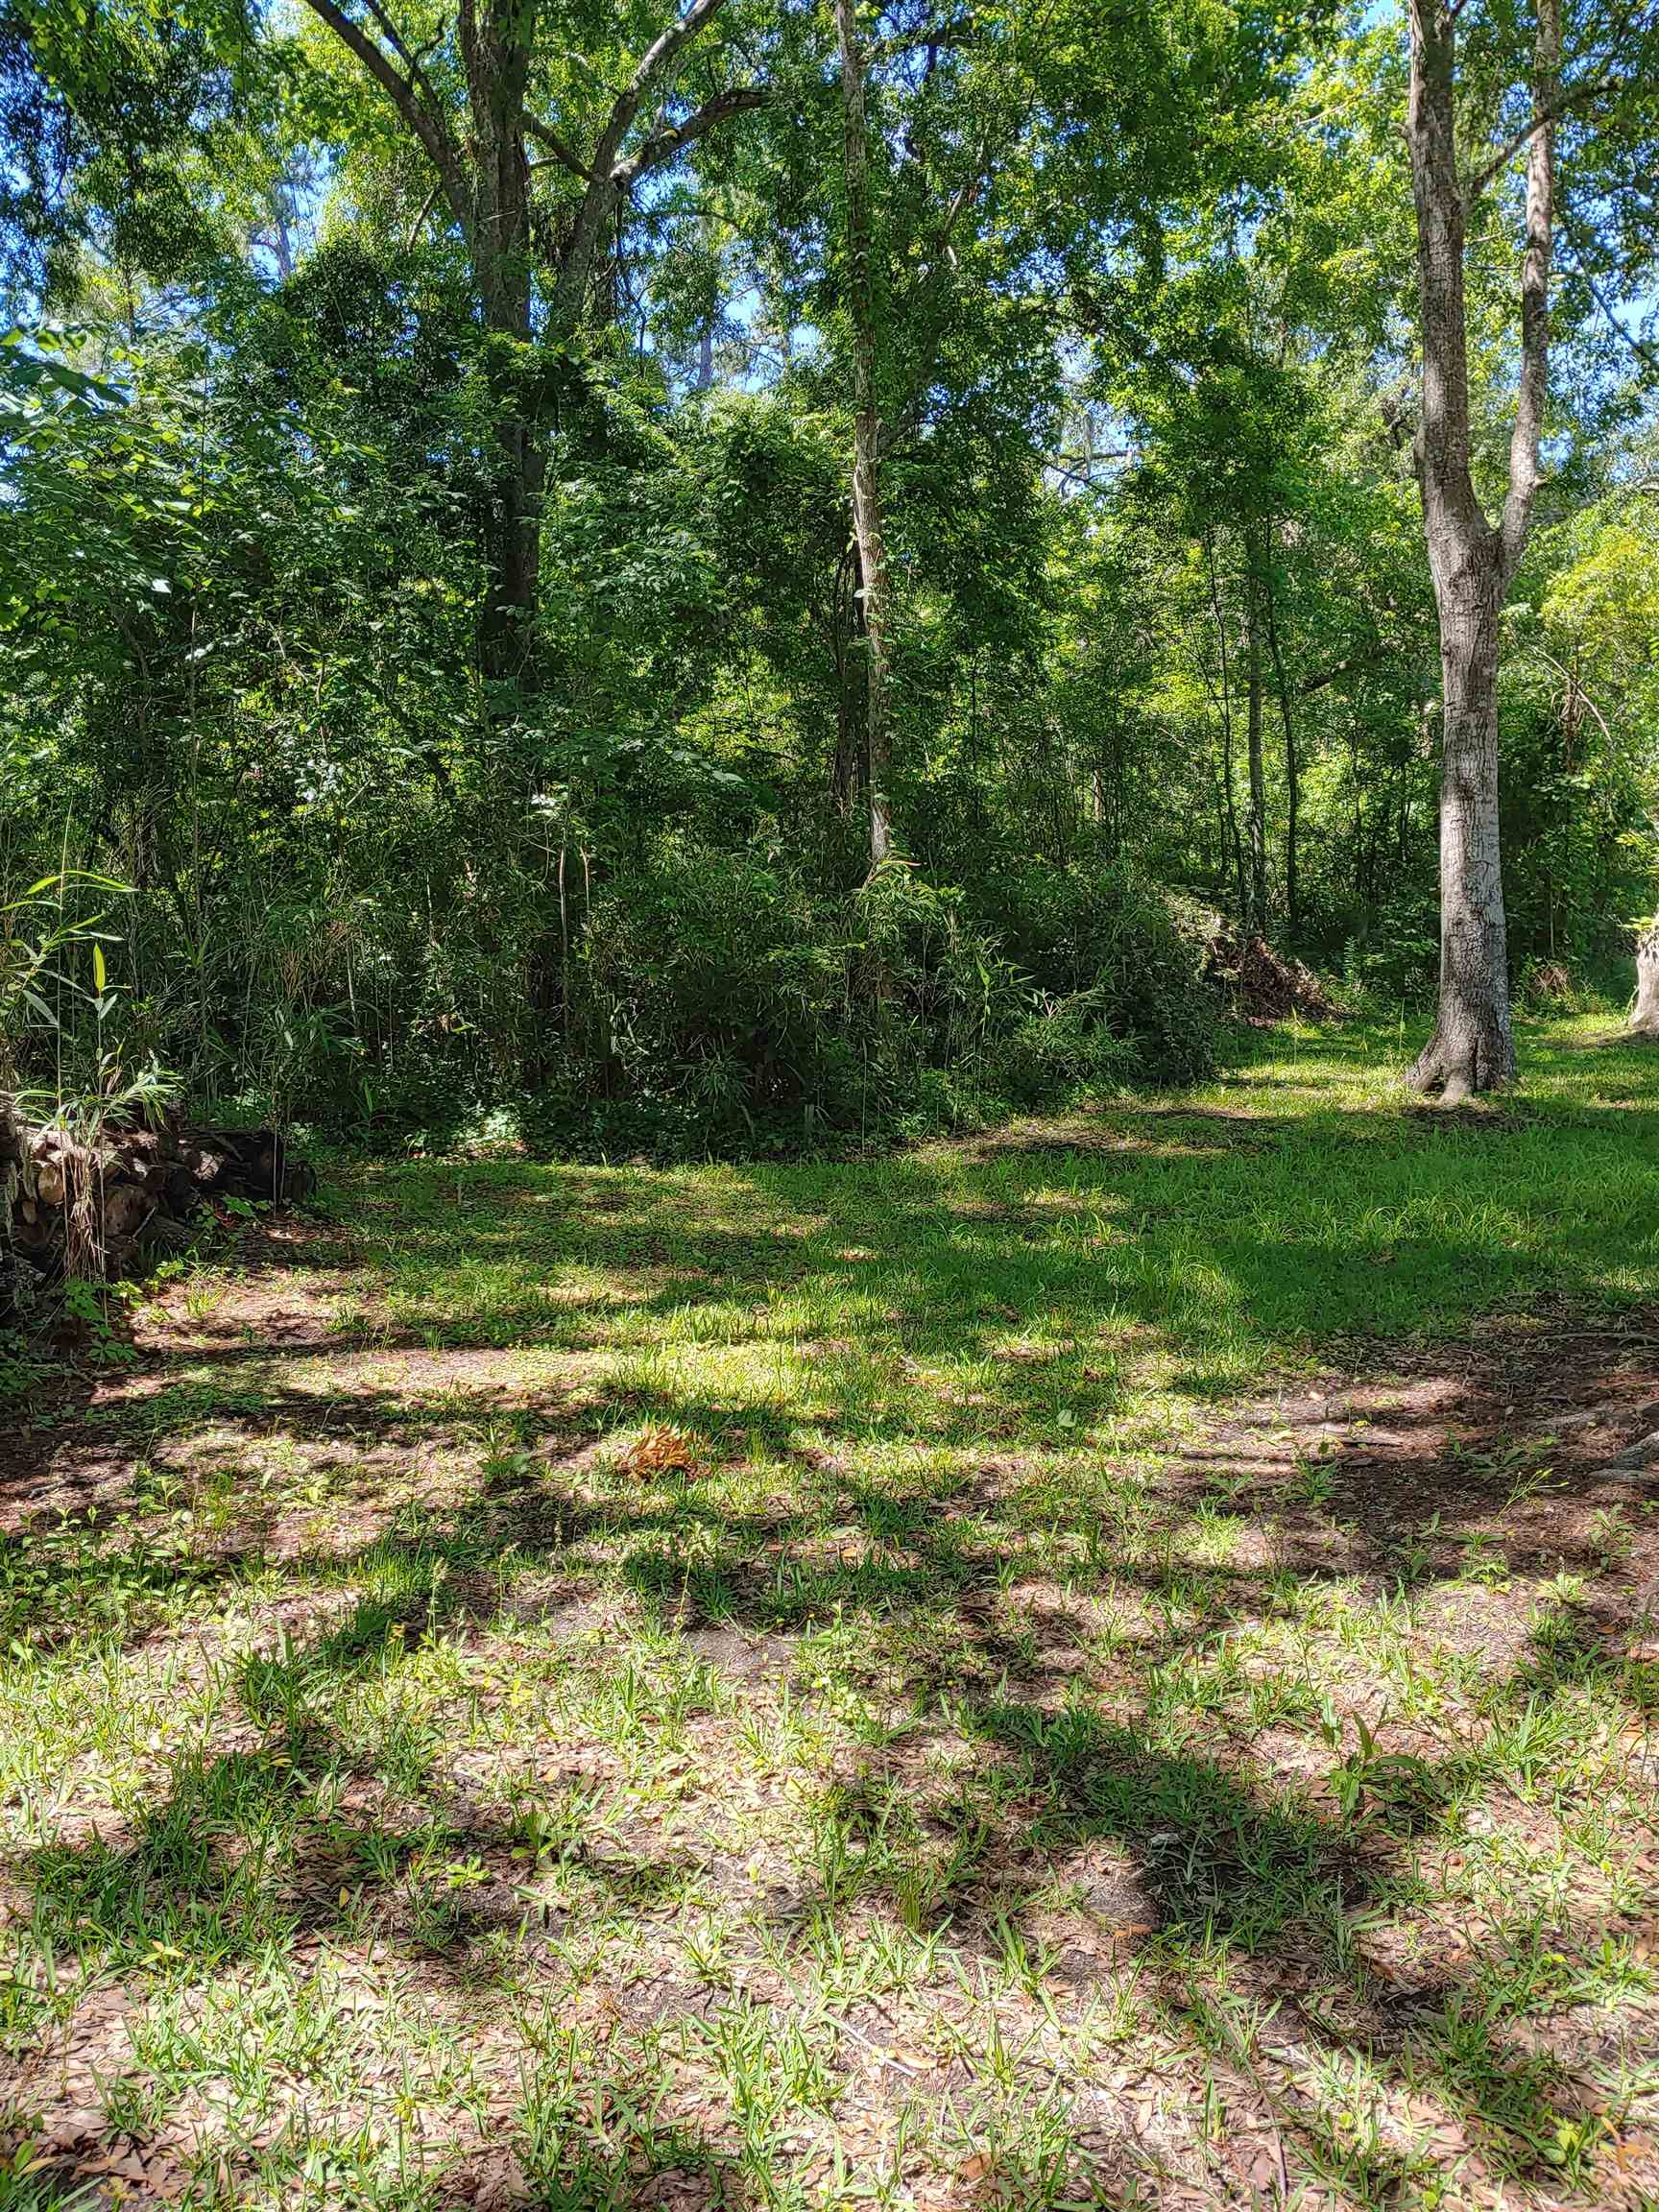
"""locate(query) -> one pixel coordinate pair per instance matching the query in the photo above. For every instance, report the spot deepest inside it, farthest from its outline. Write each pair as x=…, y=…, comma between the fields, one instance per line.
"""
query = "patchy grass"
x=1109, y=1665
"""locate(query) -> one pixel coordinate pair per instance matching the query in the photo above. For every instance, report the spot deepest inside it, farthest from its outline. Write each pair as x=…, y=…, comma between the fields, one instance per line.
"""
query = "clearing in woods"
x=1108, y=1664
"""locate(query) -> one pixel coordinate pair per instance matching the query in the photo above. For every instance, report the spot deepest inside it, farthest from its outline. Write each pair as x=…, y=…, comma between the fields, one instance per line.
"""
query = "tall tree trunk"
x=1293, y=759
x=1473, y=1046
x=1472, y=560
x=846, y=767
x=866, y=438
x=1230, y=838
x=1256, y=916
x=495, y=54
x=1644, y=1015
x=513, y=549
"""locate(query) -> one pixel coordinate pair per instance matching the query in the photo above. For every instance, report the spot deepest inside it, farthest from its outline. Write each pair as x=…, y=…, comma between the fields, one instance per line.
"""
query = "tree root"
x=1427, y=1070
x=1451, y=1082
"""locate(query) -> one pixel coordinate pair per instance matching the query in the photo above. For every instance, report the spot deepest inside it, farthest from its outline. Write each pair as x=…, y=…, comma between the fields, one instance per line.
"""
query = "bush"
x=1550, y=987
x=723, y=1002
x=1113, y=961
x=1062, y=1047
x=1397, y=960
x=710, y=994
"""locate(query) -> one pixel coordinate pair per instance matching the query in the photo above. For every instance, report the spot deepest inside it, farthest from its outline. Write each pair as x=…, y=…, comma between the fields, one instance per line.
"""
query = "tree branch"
x=1574, y=689
x=941, y=34
x=393, y=38
x=662, y=145
x=606, y=178
x=1645, y=354
x=1356, y=664
x=426, y=127
x=562, y=152
x=1542, y=118
x=654, y=67
x=426, y=206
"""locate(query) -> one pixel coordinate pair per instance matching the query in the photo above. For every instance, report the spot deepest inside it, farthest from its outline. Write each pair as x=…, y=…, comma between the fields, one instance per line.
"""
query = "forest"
x=829, y=1104
x=737, y=581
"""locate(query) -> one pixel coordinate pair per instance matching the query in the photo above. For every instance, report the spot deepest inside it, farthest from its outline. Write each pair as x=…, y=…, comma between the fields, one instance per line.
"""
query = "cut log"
x=104, y=1210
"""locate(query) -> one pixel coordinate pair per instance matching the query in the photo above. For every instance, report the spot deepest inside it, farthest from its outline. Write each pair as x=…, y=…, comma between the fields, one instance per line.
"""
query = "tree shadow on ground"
x=876, y=1503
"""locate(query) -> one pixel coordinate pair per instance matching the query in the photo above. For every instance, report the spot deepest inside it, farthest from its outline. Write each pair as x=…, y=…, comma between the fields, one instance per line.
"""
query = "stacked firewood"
x=102, y=1209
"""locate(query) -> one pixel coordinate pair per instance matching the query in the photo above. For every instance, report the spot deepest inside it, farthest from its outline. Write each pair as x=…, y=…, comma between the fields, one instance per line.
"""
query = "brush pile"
x=97, y=1210
x=1263, y=986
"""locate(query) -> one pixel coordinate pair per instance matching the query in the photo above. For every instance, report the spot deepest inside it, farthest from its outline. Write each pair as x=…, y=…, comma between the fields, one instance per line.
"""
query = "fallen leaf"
x=662, y=1452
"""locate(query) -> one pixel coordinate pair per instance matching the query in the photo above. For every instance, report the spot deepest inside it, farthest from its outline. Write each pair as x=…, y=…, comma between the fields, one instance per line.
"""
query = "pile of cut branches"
x=1263, y=985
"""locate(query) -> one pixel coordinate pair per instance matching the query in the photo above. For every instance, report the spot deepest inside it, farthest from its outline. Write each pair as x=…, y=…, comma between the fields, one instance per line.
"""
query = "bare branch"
x=562, y=152
x=1543, y=117
x=393, y=38
x=962, y=199
x=1574, y=689
x=606, y=178
x=426, y=206
x=654, y=71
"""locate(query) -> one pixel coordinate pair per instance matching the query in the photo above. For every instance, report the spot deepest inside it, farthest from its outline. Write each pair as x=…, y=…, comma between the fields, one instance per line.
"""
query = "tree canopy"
x=744, y=573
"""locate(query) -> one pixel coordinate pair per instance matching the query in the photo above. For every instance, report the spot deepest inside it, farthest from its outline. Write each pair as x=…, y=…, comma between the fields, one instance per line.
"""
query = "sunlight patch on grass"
x=1054, y=1667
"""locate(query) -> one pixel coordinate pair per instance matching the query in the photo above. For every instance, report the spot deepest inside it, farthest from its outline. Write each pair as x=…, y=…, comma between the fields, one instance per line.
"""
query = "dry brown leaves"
x=662, y=1452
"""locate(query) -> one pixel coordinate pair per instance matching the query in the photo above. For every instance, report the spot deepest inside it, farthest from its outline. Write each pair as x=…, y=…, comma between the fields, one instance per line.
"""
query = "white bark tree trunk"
x=1472, y=560
x=1644, y=1015
x=867, y=522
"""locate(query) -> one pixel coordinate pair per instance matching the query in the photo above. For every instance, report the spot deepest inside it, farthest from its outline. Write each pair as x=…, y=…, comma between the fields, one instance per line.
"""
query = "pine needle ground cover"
x=1109, y=1663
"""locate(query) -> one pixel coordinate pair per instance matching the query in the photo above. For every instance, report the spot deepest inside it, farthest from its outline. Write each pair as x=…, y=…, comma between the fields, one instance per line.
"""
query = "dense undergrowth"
x=690, y=1002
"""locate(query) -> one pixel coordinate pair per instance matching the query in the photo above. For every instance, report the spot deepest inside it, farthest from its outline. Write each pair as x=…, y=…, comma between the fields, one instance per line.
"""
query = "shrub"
x=710, y=995
x=1111, y=959
x=1550, y=987
x=726, y=1004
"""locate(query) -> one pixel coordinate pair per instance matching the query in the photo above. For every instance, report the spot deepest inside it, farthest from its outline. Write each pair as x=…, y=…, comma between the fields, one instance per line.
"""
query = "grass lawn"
x=1109, y=1663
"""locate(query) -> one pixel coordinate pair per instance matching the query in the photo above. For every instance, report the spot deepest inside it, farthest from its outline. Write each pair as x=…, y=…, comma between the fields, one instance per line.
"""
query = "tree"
x=478, y=142
x=1644, y=1013
x=866, y=436
x=1473, y=559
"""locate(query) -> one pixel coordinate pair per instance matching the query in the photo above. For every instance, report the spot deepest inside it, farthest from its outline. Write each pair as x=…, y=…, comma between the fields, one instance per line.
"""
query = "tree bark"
x=1472, y=560
x=1473, y=1046
x=1292, y=761
x=1644, y=1015
x=1256, y=914
x=495, y=53
x=867, y=522
x=1230, y=838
